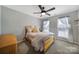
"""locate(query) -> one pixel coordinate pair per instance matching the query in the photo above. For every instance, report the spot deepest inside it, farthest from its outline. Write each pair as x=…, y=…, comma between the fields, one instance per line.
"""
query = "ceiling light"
x=43, y=13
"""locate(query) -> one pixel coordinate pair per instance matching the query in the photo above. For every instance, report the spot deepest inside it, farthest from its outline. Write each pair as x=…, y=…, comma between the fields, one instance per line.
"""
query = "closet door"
x=78, y=27
x=76, y=31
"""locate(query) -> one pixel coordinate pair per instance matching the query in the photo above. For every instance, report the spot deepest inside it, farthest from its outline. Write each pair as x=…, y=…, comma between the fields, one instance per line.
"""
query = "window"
x=46, y=26
x=63, y=27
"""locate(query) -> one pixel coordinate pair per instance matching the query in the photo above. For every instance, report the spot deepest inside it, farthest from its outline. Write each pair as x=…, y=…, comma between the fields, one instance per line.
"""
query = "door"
x=76, y=31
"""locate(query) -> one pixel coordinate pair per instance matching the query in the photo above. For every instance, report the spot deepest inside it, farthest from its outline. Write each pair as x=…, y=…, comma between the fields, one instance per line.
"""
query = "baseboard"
x=69, y=42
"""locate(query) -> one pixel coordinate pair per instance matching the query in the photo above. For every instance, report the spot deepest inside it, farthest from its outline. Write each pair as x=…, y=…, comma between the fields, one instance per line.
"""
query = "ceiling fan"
x=43, y=11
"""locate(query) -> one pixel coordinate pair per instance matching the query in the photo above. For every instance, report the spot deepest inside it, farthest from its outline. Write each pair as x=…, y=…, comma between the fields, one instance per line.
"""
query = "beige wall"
x=14, y=22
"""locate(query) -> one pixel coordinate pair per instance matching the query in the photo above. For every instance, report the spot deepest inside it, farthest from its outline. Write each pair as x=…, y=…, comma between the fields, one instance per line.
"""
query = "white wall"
x=0, y=19
x=15, y=21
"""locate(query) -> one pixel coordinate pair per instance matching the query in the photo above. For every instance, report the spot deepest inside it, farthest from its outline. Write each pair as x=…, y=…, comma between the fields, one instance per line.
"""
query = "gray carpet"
x=59, y=47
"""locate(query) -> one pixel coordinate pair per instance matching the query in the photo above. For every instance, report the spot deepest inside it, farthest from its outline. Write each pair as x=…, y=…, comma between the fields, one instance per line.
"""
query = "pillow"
x=29, y=28
x=32, y=28
x=35, y=29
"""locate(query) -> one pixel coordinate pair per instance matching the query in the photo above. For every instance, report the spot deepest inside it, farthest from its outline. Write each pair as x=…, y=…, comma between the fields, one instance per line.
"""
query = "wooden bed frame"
x=45, y=44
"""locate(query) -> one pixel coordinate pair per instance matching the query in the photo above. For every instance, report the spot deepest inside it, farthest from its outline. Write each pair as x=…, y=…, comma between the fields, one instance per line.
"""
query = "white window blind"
x=63, y=27
x=46, y=26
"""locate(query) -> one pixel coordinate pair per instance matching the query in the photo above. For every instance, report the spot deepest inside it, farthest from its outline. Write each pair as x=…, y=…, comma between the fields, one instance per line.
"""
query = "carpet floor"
x=59, y=47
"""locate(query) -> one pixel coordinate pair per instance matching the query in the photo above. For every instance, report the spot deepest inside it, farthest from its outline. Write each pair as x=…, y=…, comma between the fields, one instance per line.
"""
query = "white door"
x=76, y=31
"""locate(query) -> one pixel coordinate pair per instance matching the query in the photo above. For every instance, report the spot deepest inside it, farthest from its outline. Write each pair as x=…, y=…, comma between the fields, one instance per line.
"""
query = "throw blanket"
x=37, y=39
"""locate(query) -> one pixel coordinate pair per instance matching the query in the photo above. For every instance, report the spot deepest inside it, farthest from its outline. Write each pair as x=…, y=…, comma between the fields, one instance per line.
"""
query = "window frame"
x=63, y=33
x=45, y=29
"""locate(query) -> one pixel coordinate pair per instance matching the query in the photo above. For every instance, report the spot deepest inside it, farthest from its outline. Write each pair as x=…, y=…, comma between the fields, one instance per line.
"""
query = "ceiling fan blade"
x=40, y=6
x=37, y=12
x=51, y=9
x=47, y=14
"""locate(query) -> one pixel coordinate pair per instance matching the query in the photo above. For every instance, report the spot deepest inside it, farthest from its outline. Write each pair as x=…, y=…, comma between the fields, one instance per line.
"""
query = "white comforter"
x=37, y=39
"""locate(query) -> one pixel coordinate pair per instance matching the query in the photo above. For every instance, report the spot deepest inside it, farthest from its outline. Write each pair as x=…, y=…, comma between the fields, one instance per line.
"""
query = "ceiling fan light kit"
x=43, y=11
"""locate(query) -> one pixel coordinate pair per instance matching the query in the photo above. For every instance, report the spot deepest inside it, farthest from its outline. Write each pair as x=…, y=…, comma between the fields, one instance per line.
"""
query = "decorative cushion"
x=35, y=29
x=31, y=28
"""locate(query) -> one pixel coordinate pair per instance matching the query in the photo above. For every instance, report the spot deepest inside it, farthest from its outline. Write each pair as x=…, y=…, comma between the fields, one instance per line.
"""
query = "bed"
x=40, y=41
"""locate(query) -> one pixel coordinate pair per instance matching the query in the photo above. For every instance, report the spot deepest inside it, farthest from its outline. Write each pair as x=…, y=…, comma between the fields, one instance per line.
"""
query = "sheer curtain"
x=63, y=27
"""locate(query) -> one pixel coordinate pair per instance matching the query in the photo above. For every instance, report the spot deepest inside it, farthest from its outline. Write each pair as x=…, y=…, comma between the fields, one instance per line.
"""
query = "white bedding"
x=37, y=39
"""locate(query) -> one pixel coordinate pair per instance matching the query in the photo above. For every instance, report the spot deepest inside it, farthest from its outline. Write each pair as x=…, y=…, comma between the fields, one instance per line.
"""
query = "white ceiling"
x=30, y=9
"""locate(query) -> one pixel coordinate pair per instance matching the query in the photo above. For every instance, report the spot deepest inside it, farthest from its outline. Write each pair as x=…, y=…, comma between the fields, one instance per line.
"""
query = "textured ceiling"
x=30, y=9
